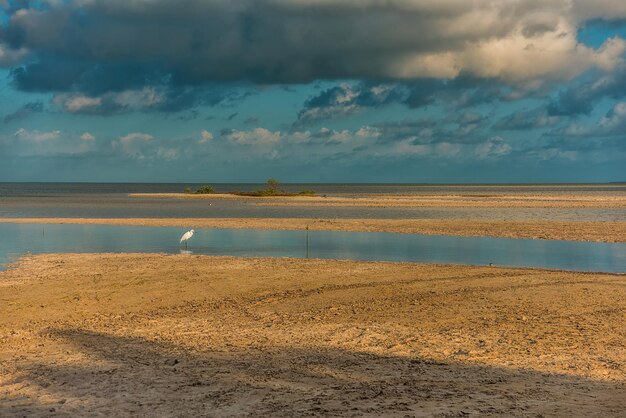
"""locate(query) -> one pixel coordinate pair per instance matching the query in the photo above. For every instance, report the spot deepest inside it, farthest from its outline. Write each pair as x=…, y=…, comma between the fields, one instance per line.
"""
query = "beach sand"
x=182, y=335
x=468, y=200
x=599, y=231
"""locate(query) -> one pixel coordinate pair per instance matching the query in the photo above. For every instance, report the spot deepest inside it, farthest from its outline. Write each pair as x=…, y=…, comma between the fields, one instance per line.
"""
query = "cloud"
x=76, y=103
x=205, y=136
x=168, y=154
x=347, y=99
x=464, y=127
x=37, y=137
x=339, y=101
x=612, y=124
x=410, y=148
x=136, y=145
x=35, y=143
x=24, y=111
x=10, y=56
x=615, y=120
x=257, y=136
x=148, y=98
x=368, y=132
x=523, y=42
x=136, y=137
x=326, y=136
x=448, y=150
x=527, y=119
x=598, y=9
x=493, y=148
x=423, y=129
x=580, y=98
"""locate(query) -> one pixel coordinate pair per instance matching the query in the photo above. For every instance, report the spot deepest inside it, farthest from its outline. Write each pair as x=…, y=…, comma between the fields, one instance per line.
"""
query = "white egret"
x=186, y=236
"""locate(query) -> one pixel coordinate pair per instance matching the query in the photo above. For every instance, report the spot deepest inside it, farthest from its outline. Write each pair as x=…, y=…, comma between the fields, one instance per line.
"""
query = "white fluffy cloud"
x=136, y=137
x=258, y=136
x=135, y=144
x=205, y=136
x=331, y=136
x=143, y=146
x=139, y=99
x=37, y=137
x=26, y=142
x=87, y=137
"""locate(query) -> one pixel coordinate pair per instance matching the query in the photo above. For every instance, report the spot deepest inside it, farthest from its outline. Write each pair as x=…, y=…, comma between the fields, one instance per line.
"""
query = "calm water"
x=102, y=200
x=18, y=239
x=64, y=189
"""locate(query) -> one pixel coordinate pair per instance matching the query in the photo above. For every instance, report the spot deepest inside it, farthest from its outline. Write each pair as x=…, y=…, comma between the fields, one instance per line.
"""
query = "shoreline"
x=209, y=335
x=591, y=231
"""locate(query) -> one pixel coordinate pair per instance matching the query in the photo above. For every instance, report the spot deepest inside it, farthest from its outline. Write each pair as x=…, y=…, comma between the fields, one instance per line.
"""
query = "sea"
x=112, y=200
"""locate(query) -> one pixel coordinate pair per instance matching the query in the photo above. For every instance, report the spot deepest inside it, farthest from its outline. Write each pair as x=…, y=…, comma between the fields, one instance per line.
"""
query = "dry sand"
x=496, y=200
x=177, y=335
x=561, y=230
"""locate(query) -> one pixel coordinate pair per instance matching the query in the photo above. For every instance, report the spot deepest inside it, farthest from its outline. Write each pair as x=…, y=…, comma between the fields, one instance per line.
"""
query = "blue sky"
x=313, y=91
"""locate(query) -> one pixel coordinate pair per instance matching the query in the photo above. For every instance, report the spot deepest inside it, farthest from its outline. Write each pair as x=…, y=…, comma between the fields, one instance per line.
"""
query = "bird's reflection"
x=183, y=251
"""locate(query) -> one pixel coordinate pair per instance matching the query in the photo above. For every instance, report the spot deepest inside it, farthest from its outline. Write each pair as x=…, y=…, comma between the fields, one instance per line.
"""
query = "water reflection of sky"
x=18, y=239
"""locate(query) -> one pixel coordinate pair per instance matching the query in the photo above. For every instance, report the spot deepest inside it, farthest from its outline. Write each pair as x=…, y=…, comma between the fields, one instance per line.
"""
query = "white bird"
x=186, y=236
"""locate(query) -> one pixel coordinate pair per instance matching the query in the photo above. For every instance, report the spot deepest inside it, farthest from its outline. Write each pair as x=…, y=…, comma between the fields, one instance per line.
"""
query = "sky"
x=401, y=91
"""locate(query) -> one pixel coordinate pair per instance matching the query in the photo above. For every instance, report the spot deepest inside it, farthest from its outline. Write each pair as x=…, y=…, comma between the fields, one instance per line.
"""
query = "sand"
x=180, y=335
x=496, y=200
x=600, y=231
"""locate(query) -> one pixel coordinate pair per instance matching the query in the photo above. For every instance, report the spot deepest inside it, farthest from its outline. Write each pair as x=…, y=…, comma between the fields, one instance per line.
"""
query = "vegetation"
x=201, y=190
x=272, y=188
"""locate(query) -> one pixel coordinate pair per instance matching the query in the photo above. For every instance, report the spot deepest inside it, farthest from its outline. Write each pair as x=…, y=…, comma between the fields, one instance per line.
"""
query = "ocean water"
x=64, y=189
x=19, y=239
x=111, y=200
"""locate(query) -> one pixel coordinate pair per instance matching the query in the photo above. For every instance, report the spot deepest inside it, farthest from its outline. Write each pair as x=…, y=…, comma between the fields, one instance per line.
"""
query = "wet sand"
x=498, y=200
x=180, y=335
x=600, y=231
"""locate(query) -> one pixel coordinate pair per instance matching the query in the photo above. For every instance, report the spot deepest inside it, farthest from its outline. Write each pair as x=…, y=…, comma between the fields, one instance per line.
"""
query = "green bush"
x=205, y=190
x=272, y=188
x=306, y=193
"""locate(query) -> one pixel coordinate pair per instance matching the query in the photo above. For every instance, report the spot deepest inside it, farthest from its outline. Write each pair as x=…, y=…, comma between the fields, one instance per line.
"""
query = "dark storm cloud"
x=262, y=41
x=24, y=111
x=295, y=41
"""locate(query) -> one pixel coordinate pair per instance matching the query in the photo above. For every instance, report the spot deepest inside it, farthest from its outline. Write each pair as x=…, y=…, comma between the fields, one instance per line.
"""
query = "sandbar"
x=187, y=335
x=497, y=200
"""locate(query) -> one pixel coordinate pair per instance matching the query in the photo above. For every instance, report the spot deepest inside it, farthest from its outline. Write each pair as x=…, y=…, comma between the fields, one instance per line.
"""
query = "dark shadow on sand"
x=138, y=377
